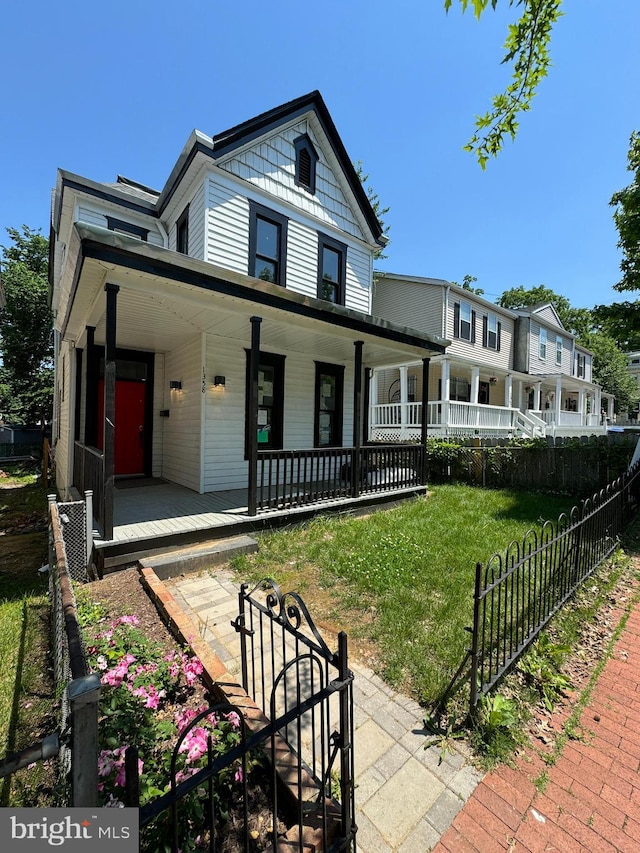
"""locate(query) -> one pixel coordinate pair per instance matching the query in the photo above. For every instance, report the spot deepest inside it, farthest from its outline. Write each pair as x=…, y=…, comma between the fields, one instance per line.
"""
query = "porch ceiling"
x=159, y=313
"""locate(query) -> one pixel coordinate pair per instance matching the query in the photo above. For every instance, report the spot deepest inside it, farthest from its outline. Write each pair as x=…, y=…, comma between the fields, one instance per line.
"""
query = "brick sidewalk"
x=591, y=800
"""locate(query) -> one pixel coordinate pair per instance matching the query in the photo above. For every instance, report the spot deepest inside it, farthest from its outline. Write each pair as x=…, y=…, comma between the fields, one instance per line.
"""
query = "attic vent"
x=306, y=159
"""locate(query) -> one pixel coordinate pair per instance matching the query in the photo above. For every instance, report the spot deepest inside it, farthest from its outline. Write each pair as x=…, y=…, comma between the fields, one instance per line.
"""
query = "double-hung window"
x=491, y=332
x=464, y=322
x=267, y=244
x=332, y=269
x=558, y=349
x=328, y=405
x=543, y=344
x=581, y=361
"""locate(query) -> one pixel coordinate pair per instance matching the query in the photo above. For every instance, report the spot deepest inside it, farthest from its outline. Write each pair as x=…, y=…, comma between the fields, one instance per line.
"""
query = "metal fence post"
x=346, y=780
x=88, y=502
x=475, y=639
x=83, y=694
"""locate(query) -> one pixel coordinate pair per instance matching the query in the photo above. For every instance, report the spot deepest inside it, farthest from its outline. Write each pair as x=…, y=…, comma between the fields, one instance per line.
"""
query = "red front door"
x=129, y=425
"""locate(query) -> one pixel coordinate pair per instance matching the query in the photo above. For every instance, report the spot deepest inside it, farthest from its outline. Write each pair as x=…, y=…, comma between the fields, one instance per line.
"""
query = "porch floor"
x=156, y=512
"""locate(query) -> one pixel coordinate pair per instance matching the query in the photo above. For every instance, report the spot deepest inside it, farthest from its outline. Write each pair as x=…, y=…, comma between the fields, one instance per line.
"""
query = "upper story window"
x=182, y=232
x=121, y=227
x=558, y=349
x=581, y=365
x=543, y=343
x=332, y=269
x=267, y=244
x=491, y=329
x=306, y=159
x=464, y=322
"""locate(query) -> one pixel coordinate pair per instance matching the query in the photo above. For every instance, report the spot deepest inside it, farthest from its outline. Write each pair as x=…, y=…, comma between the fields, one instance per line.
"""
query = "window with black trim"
x=267, y=244
x=306, y=159
x=581, y=363
x=558, y=349
x=182, y=232
x=122, y=227
x=327, y=429
x=332, y=269
x=491, y=332
x=270, y=401
x=464, y=322
x=543, y=344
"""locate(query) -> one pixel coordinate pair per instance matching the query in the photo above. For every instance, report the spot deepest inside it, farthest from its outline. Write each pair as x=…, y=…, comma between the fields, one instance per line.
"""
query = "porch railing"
x=402, y=420
x=291, y=478
x=88, y=475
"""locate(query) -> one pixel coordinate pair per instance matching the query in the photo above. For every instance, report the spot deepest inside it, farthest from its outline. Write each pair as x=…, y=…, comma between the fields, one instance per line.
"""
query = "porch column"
x=610, y=409
x=537, y=388
x=558, y=400
x=252, y=417
x=356, y=468
x=366, y=426
x=424, y=423
x=373, y=402
x=445, y=382
x=109, y=407
x=508, y=391
x=598, y=406
x=404, y=398
x=582, y=395
x=475, y=384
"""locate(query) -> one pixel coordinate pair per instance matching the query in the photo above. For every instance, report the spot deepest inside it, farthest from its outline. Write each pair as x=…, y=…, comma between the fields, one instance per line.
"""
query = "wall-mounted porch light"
x=175, y=385
x=219, y=381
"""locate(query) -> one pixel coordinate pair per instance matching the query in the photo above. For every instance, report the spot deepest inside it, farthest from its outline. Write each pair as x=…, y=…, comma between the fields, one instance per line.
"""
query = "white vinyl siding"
x=95, y=216
x=548, y=315
x=197, y=224
x=227, y=245
x=181, y=430
x=407, y=303
x=270, y=166
x=482, y=355
x=224, y=464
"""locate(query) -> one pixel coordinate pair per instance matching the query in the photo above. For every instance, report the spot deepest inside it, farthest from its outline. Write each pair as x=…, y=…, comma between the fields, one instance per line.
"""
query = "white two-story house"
x=505, y=373
x=213, y=336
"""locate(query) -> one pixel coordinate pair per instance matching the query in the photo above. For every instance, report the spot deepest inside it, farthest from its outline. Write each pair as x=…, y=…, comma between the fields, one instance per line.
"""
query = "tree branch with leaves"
x=527, y=50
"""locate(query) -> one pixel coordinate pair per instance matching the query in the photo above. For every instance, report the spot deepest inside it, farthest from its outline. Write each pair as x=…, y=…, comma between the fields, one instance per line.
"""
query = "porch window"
x=306, y=159
x=182, y=232
x=267, y=244
x=558, y=350
x=460, y=389
x=491, y=330
x=270, y=401
x=327, y=431
x=464, y=322
x=543, y=344
x=332, y=265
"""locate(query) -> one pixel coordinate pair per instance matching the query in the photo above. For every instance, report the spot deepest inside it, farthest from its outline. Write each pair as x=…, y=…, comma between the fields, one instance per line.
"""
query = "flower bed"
x=152, y=698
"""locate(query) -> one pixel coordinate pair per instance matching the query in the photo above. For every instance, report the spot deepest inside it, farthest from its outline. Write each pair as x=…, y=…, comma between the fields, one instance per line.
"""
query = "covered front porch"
x=248, y=399
x=466, y=399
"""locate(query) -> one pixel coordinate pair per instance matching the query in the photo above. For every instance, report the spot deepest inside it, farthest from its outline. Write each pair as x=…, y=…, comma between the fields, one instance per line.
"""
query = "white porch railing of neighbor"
x=401, y=421
x=570, y=419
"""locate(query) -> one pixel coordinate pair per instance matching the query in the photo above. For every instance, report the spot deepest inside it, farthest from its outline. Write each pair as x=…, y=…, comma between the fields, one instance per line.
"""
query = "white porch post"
x=404, y=397
x=558, y=400
x=445, y=390
x=373, y=401
x=521, y=396
x=582, y=396
x=508, y=391
x=475, y=384
x=537, y=388
x=610, y=412
x=598, y=406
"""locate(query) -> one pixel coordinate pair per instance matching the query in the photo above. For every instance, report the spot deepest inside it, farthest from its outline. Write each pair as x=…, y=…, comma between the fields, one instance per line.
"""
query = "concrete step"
x=191, y=558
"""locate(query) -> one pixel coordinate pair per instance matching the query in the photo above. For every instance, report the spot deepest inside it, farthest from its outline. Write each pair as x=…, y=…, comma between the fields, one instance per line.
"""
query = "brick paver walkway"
x=591, y=800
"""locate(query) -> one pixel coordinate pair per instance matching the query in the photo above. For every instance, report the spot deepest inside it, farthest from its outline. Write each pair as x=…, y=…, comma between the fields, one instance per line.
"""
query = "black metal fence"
x=517, y=593
x=88, y=475
x=291, y=478
x=298, y=726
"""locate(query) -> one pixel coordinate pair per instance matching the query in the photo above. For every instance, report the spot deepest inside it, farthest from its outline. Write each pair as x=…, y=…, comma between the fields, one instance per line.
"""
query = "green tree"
x=376, y=204
x=26, y=337
x=467, y=284
x=527, y=51
x=627, y=219
x=576, y=320
x=621, y=321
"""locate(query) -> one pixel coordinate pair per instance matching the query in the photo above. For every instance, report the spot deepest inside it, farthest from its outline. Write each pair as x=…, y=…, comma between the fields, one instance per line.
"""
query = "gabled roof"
x=537, y=309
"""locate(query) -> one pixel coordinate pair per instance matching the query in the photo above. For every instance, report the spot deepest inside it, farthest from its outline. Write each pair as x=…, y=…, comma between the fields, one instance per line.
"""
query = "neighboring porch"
x=471, y=400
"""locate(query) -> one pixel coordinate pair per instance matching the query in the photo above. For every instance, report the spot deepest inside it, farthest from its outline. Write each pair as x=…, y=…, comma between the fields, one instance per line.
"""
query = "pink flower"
x=233, y=718
x=239, y=776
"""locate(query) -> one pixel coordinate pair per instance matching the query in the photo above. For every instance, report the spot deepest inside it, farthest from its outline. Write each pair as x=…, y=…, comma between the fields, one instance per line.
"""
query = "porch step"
x=191, y=558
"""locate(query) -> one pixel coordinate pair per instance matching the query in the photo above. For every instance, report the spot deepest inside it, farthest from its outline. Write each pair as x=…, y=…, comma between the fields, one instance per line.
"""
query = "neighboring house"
x=215, y=333
x=506, y=373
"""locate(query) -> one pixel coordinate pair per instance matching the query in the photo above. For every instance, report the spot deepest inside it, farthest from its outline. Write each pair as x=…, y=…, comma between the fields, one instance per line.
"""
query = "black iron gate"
x=297, y=736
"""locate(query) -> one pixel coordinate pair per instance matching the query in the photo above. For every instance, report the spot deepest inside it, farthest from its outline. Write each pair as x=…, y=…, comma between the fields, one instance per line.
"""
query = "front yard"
x=400, y=582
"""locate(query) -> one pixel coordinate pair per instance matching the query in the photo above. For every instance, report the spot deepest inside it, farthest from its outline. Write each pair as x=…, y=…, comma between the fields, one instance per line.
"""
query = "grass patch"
x=402, y=580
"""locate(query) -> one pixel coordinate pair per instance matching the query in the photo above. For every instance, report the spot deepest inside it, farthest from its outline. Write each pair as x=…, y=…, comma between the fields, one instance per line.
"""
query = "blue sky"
x=108, y=89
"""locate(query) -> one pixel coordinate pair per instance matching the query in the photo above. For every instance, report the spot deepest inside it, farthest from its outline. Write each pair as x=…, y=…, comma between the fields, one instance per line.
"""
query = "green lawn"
x=403, y=579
